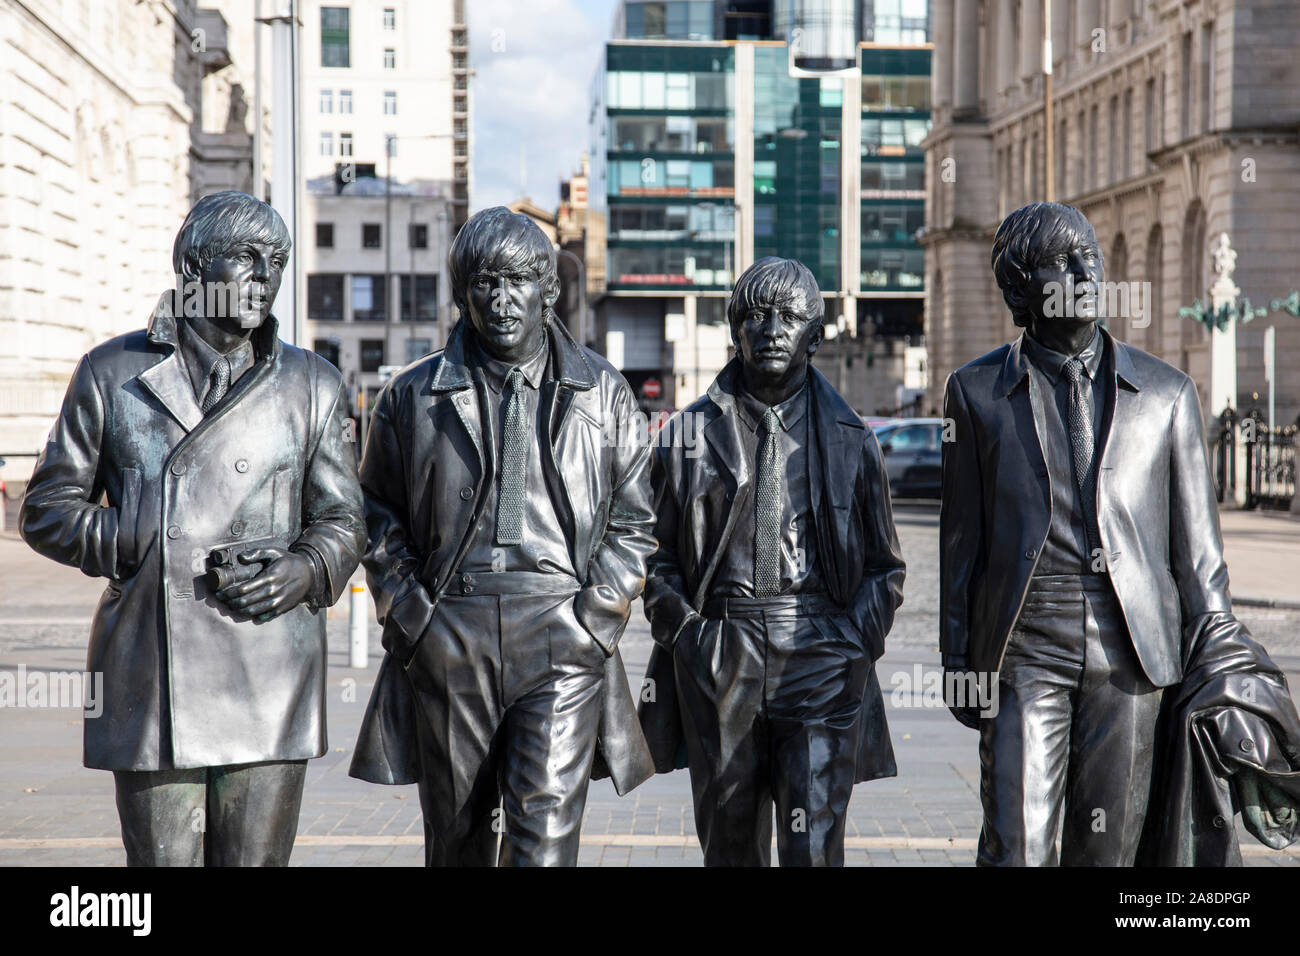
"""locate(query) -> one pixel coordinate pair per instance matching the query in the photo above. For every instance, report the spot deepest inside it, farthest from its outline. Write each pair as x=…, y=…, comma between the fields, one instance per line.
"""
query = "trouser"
x=1070, y=748
x=243, y=815
x=508, y=691
x=770, y=692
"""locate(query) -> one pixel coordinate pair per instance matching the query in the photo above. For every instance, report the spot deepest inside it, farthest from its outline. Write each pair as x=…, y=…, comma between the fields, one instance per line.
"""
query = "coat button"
x=1247, y=745
x=241, y=466
x=237, y=528
x=178, y=468
x=1029, y=553
x=174, y=532
x=1218, y=822
x=466, y=493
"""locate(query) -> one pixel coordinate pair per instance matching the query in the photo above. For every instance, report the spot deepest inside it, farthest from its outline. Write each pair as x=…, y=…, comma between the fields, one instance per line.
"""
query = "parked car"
x=911, y=447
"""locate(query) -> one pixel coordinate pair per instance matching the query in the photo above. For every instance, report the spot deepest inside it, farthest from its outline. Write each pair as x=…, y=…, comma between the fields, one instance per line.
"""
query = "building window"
x=1207, y=76
x=327, y=144
x=417, y=349
x=368, y=298
x=390, y=18
x=345, y=101
x=419, y=235
x=345, y=144
x=371, y=236
x=372, y=354
x=425, y=306
x=324, y=235
x=327, y=349
x=390, y=58
x=334, y=37
x=390, y=103
x=327, y=101
x=325, y=297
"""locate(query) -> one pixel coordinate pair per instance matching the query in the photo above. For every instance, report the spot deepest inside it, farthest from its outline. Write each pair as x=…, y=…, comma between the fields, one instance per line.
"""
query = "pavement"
x=55, y=812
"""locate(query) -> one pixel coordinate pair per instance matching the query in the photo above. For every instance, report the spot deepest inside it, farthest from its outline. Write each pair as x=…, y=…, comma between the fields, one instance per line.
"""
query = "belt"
x=512, y=582
x=757, y=607
x=1072, y=583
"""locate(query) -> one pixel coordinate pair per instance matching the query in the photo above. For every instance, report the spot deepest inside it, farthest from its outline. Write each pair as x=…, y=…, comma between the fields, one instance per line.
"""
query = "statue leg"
x=554, y=681
x=455, y=679
x=252, y=813
x=720, y=690
x=1112, y=740
x=1024, y=748
x=817, y=671
x=162, y=815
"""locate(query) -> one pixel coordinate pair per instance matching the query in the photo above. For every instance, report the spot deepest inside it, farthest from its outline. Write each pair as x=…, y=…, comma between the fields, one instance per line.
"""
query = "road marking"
x=965, y=844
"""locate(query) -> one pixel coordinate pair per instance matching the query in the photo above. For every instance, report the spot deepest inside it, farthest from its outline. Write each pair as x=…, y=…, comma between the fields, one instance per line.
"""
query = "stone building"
x=115, y=115
x=1173, y=121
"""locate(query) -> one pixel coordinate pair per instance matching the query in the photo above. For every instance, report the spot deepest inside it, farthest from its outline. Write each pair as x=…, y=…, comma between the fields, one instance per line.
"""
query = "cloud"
x=531, y=94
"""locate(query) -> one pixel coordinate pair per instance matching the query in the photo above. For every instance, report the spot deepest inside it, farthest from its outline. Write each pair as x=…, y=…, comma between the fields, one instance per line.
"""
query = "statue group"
x=204, y=468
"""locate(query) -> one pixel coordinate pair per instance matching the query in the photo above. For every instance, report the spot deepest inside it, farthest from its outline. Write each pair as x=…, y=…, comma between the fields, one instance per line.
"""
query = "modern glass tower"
x=727, y=131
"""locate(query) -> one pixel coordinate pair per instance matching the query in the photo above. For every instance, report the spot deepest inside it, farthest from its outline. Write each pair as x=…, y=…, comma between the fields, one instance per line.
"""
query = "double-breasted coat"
x=425, y=474
x=698, y=495
x=186, y=681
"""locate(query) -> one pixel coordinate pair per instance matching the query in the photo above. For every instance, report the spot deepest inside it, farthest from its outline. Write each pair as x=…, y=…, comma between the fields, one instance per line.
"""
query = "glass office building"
x=712, y=148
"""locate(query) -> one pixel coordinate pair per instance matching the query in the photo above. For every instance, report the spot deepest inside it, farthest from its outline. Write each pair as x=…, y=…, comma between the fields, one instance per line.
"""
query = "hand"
x=280, y=586
x=956, y=674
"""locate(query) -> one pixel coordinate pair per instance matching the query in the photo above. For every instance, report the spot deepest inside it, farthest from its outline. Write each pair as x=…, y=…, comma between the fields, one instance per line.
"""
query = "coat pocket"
x=128, y=521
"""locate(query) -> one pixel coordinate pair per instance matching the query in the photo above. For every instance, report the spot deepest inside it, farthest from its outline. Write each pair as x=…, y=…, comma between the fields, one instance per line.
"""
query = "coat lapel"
x=838, y=434
x=730, y=462
x=168, y=380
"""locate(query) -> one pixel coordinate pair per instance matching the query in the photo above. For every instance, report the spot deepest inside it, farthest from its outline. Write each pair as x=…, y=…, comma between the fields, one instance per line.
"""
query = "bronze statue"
x=1080, y=557
x=233, y=519
x=508, y=538
x=775, y=582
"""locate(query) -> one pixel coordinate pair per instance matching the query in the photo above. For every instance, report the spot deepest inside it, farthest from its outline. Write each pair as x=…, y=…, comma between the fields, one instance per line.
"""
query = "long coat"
x=1156, y=507
x=187, y=682
x=699, y=494
x=425, y=478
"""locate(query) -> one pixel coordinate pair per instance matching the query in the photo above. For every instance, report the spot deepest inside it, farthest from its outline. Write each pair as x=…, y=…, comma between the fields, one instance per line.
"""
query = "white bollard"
x=359, y=628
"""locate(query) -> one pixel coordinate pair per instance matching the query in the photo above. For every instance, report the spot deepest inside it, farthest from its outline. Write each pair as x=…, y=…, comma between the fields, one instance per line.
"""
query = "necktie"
x=514, y=458
x=219, y=379
x=767, y=510
x=1081, y=442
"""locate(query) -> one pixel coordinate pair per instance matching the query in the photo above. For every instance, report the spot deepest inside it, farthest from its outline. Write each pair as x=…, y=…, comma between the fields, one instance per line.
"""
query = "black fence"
x=1269, y=464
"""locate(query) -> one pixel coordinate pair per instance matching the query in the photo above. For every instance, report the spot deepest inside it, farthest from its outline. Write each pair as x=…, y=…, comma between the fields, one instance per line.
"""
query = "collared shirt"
x=199, y=357
x=544, y=546
x=799, y=573
x=1066, y=550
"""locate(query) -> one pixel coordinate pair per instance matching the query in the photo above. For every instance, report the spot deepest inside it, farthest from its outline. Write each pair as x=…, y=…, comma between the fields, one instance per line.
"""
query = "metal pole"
x=388, y=248
x=1049, y=143
x=358, y=628
x=259, y=184
x=284, y=156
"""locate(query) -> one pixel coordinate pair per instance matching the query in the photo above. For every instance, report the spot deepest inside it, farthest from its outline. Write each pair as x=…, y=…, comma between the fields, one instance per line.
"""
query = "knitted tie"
x=1081, y=442
x=514, y=457
x=220, y=383
x=767, y=511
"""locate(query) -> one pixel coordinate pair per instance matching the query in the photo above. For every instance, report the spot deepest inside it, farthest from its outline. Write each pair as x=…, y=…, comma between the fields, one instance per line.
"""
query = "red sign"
x=651, y=388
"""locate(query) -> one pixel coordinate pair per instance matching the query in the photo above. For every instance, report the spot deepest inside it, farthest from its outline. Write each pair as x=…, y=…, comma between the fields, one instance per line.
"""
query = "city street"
x=53, y=811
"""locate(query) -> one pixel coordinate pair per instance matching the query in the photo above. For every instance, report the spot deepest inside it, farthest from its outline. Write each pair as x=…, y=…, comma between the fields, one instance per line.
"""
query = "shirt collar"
x=1052, y=363
x=200, y=356
x=788, y=413
x=495, y=371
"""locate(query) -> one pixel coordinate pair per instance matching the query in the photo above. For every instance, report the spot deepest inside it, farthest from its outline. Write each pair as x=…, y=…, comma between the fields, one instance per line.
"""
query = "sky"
x=534, y=62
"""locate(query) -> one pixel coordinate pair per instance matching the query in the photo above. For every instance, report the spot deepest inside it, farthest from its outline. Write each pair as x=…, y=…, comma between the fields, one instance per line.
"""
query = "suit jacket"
x=1156, y=509
x=1229, y=742
x=423, y=475
x=698, y=497
x=271, y=461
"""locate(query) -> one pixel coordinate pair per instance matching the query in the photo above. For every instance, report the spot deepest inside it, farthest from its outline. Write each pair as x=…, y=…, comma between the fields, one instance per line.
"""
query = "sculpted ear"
x=190, y=269
x=818, y=336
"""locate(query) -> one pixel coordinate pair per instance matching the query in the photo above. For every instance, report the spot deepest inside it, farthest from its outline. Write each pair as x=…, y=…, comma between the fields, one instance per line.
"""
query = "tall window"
x=372, y=354
x=1112, y=141
x=368, y=298
x=1149, y=116
x=327, y=101
x=324, y=235
x=390, y=58
x=1126, y=138
x=327, y=144
x=325, y=297
x=1185, y=112
x=1207, y=76
x=390, y=18
x=345, y=101
x=390, y=103
x=345, y=144
x=334, y=37
x=371, y=236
